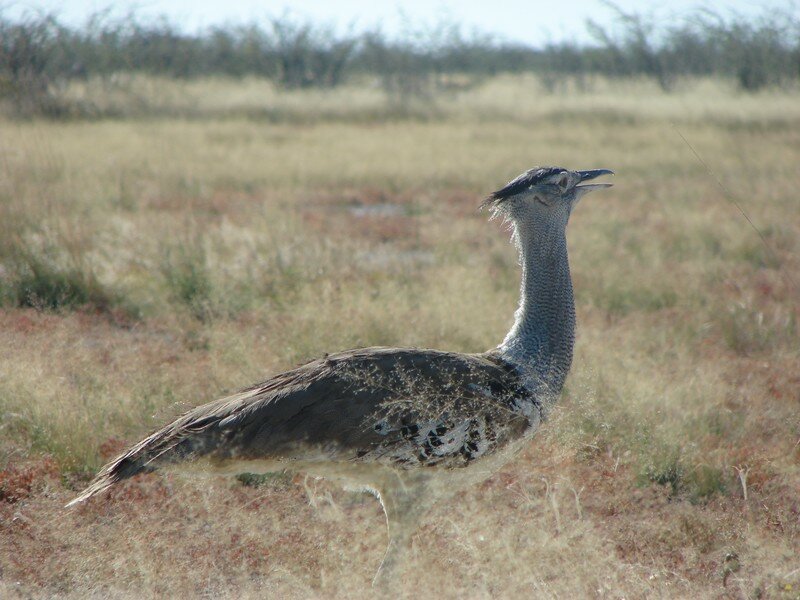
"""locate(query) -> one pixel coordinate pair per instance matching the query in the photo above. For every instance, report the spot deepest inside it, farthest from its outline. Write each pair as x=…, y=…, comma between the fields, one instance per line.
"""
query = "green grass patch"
x=188, y=279
x=37, y=280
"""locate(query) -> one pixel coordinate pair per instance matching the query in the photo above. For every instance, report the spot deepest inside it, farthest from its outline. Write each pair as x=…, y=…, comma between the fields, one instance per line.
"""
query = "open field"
x=151, y=263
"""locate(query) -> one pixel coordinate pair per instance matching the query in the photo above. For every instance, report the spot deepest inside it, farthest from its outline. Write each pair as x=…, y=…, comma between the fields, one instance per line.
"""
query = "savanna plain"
x=161, y=258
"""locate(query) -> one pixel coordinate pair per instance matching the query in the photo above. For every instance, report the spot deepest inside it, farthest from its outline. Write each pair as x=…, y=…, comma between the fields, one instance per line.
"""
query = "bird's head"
x=543, y=196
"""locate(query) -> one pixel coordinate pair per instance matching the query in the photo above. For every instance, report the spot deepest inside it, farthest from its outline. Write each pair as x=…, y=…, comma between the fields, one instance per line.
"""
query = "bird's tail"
x=195, y=434
x=120, y=468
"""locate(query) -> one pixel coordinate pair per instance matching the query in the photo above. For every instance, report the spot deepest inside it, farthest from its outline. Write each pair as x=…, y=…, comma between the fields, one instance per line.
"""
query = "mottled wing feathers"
x=400, y=406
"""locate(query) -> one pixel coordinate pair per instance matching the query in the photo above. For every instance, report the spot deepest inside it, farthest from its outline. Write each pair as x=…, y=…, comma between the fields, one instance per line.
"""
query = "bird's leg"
x=387, y=572
x=403, y=505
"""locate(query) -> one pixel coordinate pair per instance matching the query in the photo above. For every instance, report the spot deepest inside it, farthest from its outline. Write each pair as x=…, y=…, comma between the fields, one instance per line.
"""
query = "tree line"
x=39, y=54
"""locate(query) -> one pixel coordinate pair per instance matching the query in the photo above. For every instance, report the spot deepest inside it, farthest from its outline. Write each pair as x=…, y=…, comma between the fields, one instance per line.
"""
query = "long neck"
x=543, y=334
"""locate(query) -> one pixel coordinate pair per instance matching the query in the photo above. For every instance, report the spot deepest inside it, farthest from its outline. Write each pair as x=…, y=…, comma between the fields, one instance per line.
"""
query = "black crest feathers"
x=520, y=183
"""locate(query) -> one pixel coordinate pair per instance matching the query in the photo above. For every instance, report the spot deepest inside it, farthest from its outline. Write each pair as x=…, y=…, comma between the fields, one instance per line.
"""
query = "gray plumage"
x=402, y=422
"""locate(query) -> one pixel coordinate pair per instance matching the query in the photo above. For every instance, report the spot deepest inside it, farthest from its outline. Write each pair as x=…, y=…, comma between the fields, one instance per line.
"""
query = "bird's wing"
x=397, y=406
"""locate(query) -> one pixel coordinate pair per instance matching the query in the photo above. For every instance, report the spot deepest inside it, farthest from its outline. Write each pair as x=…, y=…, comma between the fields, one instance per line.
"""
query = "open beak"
x=593, y=174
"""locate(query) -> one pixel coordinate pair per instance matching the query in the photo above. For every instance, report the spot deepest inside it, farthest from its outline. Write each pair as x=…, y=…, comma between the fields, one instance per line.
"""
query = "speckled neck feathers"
x=541, y=340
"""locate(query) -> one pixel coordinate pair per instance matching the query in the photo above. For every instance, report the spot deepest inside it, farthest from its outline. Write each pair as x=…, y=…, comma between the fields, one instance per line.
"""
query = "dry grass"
x=150, y=265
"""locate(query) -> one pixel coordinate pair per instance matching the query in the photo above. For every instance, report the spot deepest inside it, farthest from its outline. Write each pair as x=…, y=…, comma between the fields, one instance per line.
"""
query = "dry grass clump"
x=148, y=267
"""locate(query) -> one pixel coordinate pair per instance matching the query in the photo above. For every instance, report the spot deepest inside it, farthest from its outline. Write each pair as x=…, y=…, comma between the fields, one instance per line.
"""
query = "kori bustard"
x=411, y=425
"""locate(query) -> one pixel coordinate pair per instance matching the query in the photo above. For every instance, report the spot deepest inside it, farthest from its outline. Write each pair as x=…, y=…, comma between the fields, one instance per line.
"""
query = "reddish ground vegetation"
x=18, y=482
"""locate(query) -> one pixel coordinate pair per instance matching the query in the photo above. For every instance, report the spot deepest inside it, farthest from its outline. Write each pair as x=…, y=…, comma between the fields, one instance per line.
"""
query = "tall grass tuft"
x=749, y=330
x=40, y=284
x=187, y=277
x=48, y=267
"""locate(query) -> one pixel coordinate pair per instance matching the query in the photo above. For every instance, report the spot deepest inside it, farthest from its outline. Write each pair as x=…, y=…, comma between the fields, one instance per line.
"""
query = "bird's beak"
x=588, y=176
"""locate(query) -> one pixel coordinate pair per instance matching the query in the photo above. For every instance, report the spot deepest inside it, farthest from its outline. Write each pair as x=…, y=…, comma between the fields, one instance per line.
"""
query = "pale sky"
x=531, y=22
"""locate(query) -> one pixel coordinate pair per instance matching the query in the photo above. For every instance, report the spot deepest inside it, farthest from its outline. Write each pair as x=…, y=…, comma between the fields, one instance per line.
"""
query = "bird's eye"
x=563, y=181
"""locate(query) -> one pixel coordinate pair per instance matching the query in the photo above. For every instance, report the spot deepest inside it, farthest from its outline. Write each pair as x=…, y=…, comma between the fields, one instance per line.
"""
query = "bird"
x=410, y=425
